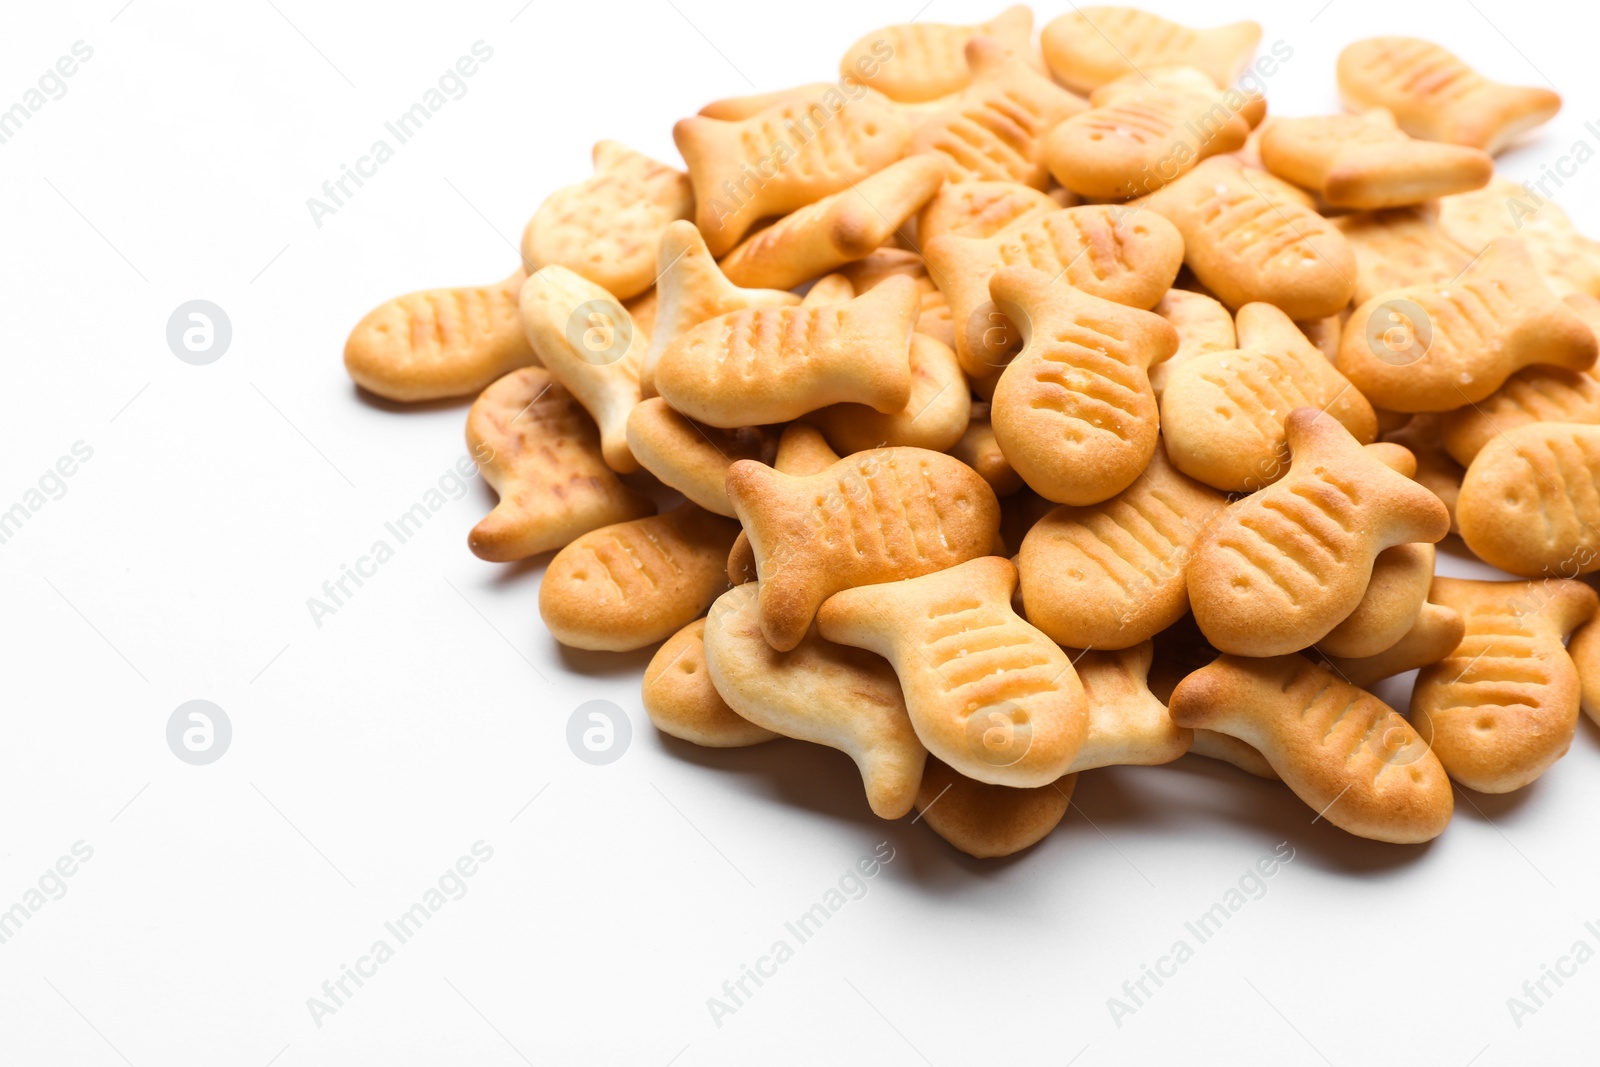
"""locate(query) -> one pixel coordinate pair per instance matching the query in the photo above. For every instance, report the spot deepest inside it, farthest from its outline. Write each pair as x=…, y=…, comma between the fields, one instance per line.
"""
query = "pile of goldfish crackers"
x=1117, y=421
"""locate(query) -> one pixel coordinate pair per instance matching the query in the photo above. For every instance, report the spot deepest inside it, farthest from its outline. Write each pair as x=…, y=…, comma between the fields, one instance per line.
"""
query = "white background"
x=370, y=753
